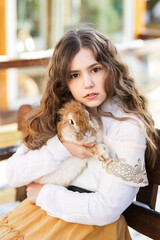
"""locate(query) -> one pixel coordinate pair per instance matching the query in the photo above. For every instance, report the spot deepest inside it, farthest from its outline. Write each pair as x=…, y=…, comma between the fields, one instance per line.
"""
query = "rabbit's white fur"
x=79, y=126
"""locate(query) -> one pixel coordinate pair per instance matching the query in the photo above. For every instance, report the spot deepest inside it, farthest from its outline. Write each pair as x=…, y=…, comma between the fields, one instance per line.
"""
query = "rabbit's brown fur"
x=77, y=125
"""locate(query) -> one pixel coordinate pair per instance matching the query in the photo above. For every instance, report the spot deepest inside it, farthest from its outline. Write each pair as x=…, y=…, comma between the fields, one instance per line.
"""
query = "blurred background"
x=31, y=28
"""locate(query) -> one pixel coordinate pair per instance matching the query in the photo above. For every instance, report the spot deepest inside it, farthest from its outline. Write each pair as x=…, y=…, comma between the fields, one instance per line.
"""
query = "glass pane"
x=40, y=23
x=31, y=81
x=29, y=26
x=144, y=67
x=153, y=14
x=104, y=15
x=28, y=85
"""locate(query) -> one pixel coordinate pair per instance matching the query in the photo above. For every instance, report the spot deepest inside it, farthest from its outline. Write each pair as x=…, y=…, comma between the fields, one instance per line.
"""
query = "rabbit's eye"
x=71, y=121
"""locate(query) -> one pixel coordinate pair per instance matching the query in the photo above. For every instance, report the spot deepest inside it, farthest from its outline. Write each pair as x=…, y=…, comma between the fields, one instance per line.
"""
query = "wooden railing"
x=136, y=47
x=38, y=58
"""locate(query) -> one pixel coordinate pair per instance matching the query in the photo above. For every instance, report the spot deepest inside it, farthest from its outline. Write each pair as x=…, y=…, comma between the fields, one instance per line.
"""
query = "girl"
x=85, y=66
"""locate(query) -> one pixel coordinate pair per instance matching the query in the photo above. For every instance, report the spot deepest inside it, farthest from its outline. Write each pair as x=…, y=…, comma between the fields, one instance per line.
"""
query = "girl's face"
x=87, y=79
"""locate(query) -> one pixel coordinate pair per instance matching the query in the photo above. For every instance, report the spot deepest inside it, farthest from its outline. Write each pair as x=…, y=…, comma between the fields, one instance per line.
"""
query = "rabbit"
x=77, y=125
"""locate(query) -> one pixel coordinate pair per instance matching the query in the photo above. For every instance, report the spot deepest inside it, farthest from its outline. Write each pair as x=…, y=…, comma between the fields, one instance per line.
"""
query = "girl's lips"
x=91, y=95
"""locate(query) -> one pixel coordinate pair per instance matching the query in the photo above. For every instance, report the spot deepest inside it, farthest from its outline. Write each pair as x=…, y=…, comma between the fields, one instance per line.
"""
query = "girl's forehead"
x=83, y=58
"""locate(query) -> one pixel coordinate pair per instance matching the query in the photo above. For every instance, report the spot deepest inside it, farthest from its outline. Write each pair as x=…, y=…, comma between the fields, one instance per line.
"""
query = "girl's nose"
x=88, y=81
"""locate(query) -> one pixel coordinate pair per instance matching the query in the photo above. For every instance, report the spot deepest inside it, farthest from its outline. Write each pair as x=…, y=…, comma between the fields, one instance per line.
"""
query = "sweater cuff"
x=40, y=196
x=58, y=150
x=44, y=195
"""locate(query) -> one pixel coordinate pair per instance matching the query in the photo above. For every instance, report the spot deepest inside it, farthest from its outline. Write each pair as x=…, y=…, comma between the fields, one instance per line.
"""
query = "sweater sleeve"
x=127, y=155
x=100, y=208
x=117, y=189
x=27, y=165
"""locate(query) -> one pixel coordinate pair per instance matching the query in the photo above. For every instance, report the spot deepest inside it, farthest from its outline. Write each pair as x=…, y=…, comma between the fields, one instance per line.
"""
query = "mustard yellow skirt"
x=29, y=222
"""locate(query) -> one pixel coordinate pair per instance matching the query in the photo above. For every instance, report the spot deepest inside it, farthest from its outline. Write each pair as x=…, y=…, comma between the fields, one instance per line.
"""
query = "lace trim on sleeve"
x=118, y=167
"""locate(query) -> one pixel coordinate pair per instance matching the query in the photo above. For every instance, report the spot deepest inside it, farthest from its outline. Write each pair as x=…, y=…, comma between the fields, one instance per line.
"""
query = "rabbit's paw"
x=103, y=152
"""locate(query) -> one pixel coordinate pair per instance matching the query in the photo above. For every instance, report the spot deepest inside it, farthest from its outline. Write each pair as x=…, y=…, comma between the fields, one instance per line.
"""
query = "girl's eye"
x=96, y=69
x=75, y=75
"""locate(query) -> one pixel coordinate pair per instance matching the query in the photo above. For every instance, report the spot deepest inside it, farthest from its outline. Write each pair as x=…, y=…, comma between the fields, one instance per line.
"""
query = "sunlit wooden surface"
x=9, y=135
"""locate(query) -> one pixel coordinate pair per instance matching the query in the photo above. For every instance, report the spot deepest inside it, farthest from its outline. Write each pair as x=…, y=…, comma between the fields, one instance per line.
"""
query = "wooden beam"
x=143, y=219
x=3, y=27
x=3, y=74
x=18, y=63
x=139, y=17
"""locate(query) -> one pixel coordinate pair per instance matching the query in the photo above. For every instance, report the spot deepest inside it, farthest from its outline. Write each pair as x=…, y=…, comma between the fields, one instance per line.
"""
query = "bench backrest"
x=141, y=215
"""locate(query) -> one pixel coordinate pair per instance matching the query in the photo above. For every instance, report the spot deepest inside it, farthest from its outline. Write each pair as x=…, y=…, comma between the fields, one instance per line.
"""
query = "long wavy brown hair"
x=41, y=123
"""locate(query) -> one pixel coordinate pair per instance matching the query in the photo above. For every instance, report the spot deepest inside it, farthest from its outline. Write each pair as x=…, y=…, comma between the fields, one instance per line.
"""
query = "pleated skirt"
x=30, y=222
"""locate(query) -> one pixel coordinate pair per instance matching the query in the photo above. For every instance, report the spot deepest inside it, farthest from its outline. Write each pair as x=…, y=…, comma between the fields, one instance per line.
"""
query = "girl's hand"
x=32, y=191
x=77, y=150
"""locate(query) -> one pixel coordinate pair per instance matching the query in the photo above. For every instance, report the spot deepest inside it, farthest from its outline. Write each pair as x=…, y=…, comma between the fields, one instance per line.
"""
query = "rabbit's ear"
x=63, y=111
x=60, y=111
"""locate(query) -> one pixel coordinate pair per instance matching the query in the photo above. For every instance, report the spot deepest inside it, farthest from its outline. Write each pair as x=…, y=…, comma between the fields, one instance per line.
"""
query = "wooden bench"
x=7, y=152
x=141, y=215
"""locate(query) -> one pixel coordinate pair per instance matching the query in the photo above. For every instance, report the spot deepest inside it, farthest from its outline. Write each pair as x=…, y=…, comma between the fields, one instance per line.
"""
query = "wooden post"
x=49, y=24
x=139, y=18
x=3, y=74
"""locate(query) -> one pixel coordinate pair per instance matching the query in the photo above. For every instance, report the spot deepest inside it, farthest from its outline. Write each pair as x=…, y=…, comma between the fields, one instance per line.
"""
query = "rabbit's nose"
x=87, y=134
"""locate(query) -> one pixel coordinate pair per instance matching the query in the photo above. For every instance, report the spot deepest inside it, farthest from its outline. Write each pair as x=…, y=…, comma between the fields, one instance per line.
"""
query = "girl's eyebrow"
x=91, y=66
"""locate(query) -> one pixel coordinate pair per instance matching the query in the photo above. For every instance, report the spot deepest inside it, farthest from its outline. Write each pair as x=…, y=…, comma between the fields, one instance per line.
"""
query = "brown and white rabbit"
x=77, y=125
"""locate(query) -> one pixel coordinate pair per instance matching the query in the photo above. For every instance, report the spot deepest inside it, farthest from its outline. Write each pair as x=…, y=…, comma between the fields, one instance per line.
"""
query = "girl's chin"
x=91, y=104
